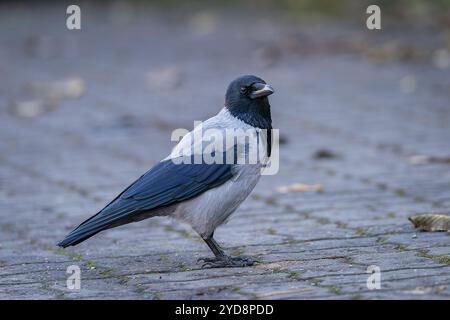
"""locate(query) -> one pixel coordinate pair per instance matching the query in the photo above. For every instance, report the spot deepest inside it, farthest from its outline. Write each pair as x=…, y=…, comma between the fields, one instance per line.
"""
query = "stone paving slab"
x=59, y=167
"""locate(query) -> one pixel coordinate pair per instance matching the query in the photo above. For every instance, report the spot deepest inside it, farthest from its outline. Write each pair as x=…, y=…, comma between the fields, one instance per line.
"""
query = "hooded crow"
x=198, y=184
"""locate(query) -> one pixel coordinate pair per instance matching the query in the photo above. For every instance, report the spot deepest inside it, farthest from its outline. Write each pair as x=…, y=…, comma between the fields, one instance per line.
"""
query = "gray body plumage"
x=212, y=208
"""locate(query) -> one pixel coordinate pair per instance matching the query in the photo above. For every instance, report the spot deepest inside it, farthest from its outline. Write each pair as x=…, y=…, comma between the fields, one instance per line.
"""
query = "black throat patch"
x=255, y=113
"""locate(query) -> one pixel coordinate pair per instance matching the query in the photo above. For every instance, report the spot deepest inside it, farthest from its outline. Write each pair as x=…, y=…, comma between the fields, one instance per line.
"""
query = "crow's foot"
x=227, y=262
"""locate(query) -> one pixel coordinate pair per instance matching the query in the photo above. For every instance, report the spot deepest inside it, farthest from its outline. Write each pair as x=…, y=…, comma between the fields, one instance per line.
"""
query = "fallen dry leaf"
x=29, y=109
x=427, y=290
x=32, y=108
x=431, y=222
x=55, y=91
x=424, y=159
x=300, y=187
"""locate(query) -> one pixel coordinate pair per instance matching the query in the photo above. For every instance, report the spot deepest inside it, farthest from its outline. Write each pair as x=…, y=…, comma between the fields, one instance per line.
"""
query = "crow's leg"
x=214, y=246
x=221, y=259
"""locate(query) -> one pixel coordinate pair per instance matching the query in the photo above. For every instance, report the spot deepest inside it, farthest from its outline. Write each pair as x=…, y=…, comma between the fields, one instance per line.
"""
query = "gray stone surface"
x=160, y=70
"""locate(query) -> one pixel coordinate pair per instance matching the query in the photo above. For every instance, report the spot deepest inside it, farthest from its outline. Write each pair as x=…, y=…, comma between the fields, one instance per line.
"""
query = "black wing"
x=165, y=184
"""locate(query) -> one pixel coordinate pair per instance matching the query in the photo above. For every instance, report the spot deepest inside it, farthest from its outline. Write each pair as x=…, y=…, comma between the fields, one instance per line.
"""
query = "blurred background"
x=363, y=115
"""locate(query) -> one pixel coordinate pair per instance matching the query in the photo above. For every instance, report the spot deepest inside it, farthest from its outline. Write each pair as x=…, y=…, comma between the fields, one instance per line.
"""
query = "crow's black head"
x=246, y=99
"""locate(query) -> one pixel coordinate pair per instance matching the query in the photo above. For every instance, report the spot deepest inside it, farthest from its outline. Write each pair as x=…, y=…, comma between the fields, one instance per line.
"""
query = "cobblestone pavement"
x=139, y=77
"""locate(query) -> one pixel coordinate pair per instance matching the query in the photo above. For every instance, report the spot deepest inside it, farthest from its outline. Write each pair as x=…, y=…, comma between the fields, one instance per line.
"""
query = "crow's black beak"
x=261, y=90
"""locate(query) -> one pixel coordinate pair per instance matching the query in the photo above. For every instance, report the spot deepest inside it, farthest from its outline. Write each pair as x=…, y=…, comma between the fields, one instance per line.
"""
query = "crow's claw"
x=227, y=262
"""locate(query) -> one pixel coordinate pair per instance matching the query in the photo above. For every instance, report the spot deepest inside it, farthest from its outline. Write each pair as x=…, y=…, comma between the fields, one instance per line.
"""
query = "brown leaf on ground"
x=431, y=222
x=31, y=108
x=70, y=88
x=300, y=187
x=424, y=159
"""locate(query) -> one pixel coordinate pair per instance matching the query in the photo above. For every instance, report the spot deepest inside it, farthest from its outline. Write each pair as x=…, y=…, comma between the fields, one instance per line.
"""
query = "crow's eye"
x=244, y=90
